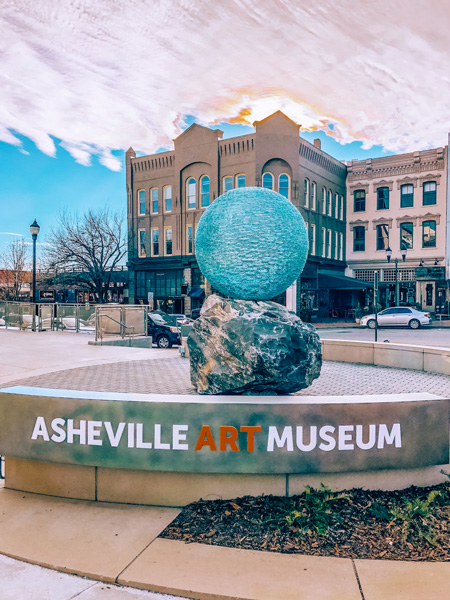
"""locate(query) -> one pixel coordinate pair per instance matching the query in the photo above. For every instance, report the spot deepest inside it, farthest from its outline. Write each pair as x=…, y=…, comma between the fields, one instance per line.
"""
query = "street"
x=426, y=336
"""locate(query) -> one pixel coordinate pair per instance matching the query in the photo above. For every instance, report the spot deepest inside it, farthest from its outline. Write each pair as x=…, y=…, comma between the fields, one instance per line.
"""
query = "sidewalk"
x=118, y=544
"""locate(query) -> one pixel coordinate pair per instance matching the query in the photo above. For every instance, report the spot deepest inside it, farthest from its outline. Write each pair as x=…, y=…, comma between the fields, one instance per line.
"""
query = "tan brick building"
x=168, y=192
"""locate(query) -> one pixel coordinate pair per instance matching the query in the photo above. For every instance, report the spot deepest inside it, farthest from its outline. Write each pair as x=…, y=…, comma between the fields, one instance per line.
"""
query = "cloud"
x=9, y=233
x=105, y=74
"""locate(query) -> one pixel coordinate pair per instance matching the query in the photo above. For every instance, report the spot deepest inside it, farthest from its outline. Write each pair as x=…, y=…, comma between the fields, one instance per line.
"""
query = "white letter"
x=158, y=444
x=372, y=437
x=345, y=436
x=139, y=437
x=179, y=437
x=324, y=433
x=130, y=435
x=312, y=439
x=93, y=433
x=71, y=431
x=114, y=439
x=57, y=426
x=40, y=428
x=389, y=438
x=286, y=438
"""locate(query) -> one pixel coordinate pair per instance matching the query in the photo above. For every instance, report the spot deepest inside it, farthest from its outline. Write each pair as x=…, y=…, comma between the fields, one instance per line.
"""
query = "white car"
x=397, y=316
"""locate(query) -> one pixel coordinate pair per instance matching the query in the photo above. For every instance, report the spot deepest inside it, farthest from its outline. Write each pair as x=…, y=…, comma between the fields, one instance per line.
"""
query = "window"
x=306, y=197
x=142, y=243
x=330, y=203
x=189, y=239
x=154, y=199
x=141, y=200
x=336, y=206
x=406, y=235
x=341, y=246
x=328, y=243
x=313, y=195
x=359, y=200
x=323, y=241
x=336, y=243
x=155, y=242
x=168, y=239
x=191, y=193
x=382, y=198
x=312, y=239
x=168, y=198
x=382, y=237
x=240, y=180
x=204, y=191
x=267, y=181
x=227, y=183
x=341, y=208
x=324, y=201
x=359, y=239
x=429, y=193
x=429, y=234
x=283, y=185
x=407, y=195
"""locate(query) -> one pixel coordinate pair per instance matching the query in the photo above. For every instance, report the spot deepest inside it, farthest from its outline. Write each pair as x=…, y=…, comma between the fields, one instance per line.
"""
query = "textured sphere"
x=251, y=243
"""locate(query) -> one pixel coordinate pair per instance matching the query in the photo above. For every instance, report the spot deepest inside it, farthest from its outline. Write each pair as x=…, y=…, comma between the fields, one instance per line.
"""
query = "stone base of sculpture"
x=247, y=347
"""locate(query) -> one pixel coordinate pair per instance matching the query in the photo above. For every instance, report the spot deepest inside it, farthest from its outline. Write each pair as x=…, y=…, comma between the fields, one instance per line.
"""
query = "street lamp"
x=403, y=252
x=34, y=230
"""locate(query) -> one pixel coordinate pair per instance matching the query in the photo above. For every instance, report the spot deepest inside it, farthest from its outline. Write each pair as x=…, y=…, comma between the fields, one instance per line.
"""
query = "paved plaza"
x=118, y=544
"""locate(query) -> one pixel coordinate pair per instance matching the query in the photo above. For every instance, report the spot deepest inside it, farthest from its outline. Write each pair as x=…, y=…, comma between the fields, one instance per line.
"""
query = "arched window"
x=306, y=196
x=330, y=203
x=154, y=200
x=227, y=184
x=191, y=192
x=204, y=191
x=283, y=185
x=141, y=202
x=267, y=181
x=313, y=195
x=324, y=201
x=168, y=198
x=240, y=180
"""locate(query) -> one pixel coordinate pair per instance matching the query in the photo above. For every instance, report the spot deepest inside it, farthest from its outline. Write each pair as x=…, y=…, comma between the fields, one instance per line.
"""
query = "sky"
x=81, y=81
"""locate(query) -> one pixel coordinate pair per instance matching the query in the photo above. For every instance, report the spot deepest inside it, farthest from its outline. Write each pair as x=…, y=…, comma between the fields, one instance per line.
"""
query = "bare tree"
x=84, y=249
x=16, y=272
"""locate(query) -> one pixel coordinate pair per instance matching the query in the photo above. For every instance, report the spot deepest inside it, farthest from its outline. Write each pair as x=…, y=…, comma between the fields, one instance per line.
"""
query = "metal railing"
x=119, y=320
x=99, y=329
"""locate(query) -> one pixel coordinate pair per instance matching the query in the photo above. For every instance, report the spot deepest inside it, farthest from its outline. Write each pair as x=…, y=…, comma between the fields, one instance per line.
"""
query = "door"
x=386, y=318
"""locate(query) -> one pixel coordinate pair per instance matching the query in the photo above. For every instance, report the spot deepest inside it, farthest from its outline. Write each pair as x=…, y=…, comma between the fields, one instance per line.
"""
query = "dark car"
x=164, y=335
x=195, y=313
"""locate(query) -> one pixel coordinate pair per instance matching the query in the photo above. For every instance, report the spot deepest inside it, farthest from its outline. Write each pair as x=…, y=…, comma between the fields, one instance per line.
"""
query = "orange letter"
x=230, y=439
x=250, y=431
x=207, y=439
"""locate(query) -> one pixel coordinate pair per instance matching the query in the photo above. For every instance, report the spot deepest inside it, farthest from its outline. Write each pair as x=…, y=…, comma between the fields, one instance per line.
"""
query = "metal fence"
x=119, y=320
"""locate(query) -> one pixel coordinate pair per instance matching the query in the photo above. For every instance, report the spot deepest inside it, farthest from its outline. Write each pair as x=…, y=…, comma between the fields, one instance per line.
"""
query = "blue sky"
x=34, y=185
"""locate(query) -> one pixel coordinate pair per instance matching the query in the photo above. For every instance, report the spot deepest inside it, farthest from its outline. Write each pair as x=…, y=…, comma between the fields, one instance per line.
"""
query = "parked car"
x=195, y=313
x=163, y=333
x=397, y=316
x=172, y=319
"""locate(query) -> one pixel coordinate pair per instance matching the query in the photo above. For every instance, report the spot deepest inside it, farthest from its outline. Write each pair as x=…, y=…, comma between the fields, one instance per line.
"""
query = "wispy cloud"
x=101, y=75
x=9, y=233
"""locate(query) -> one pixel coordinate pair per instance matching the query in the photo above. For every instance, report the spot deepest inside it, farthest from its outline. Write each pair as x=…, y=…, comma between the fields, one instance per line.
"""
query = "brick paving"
x=171, y=376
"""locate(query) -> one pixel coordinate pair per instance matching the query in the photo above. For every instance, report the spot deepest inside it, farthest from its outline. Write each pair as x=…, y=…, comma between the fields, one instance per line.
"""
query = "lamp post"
x=34, y=229
x=403, y=252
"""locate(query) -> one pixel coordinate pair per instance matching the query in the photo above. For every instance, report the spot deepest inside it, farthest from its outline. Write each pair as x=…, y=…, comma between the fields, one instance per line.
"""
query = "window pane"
x=190, y=245
x=283, y=185
x=204, y=185
x=382, y=237
x=406, y=235
x=429, y=193
x=240, y=181
x=359, y=197
x=306, y=196
x=168, y=240
x=154, y=194
x=227, y=184
x=406, y=196
x=429, y=234
x=267, y=181
x=382, y=198
x=141, y=202
x=191, y=193
x=142, y=241
x=359, y=239
x=155, y=242
x=168, y=198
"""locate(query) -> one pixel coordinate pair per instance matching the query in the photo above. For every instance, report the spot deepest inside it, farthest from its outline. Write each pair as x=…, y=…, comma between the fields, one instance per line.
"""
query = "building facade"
x=168, y=192
x=397, y=205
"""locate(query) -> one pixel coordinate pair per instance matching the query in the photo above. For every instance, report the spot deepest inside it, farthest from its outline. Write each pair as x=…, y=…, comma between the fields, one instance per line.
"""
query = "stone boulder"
x=249, y=347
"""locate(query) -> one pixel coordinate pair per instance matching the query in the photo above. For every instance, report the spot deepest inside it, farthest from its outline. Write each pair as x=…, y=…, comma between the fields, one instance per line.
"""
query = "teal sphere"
x=251, y=244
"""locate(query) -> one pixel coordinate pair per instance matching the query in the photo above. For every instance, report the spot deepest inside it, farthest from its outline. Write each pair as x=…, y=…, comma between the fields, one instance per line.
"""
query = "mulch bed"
x=411, y=524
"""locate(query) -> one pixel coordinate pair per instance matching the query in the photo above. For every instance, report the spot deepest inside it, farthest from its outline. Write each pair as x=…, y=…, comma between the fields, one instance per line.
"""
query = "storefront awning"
x=340, y=282
x=196, y=293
